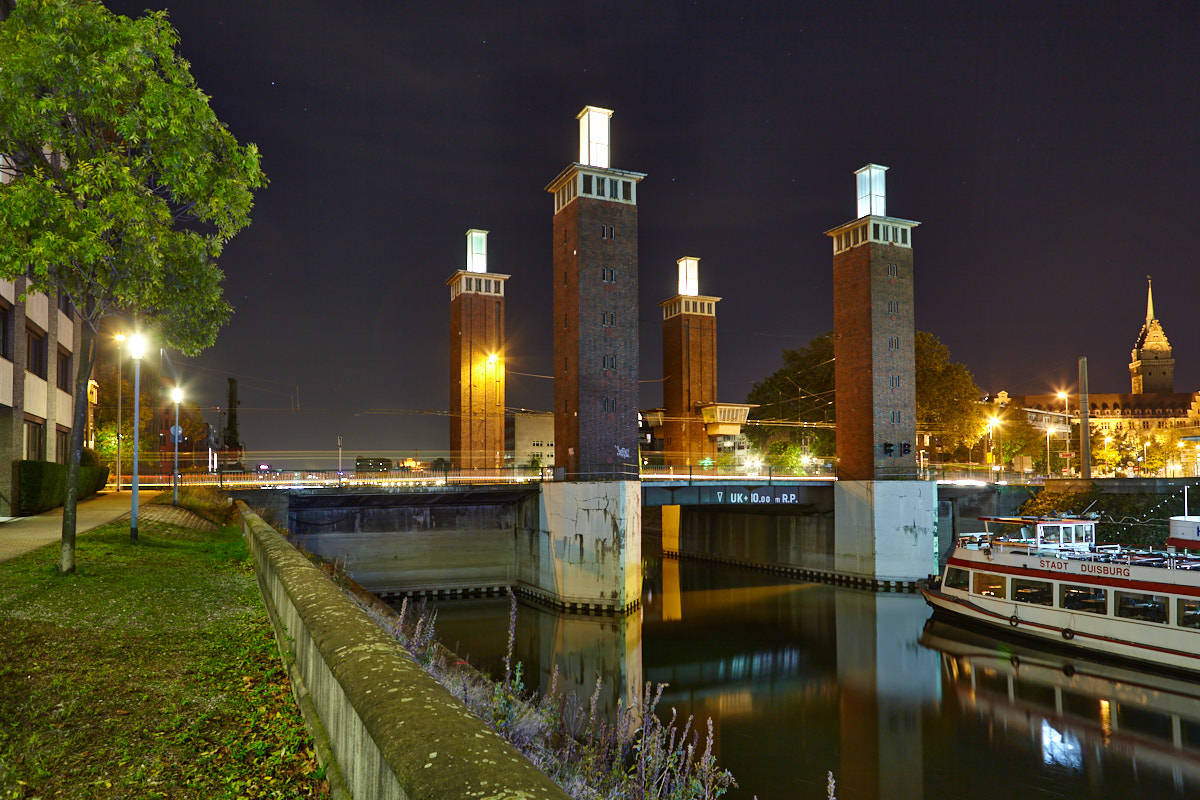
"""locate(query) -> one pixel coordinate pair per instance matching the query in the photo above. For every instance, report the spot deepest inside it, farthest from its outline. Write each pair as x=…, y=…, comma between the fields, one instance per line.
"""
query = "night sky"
x=1049, y=151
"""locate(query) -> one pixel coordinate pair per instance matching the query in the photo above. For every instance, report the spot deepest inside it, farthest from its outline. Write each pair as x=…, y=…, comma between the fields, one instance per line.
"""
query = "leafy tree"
x=1016, y=436
x=123, y=186
x=947, y=397
x=803, y=390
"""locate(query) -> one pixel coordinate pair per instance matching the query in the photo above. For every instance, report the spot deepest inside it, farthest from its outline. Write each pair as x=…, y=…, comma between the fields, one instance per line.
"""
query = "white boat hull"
x=1162, y=642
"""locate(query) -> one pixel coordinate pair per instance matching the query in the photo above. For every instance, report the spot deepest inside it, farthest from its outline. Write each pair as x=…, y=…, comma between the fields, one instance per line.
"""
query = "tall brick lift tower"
x=885, y=519
x=689, y=368
x=476, y=360
x=873, y=330
x=595, y=310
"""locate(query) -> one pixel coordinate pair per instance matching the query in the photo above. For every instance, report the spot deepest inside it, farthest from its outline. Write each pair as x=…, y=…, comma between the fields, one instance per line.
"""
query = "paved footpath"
x=19, y=535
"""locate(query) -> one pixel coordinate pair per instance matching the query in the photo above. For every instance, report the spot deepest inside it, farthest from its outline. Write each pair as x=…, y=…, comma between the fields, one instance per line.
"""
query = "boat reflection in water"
x=1079, y=713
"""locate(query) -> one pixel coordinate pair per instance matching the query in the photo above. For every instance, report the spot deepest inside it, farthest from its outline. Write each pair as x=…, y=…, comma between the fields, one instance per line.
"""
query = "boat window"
x=1039, y=593
x=989, y=585
x=1050, y=534
x=957, y=578
x=1083, y=598
x=1189, y=613
x=1135, y=605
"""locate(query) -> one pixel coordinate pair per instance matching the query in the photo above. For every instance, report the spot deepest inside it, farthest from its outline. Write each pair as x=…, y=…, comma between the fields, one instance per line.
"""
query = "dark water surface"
x=803, y=678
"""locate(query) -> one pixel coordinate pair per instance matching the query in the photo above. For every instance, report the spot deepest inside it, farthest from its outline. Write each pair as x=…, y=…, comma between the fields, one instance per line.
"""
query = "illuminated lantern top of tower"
x=689, y=276
x=594, y=145
x=476, y=250
x=871, y=194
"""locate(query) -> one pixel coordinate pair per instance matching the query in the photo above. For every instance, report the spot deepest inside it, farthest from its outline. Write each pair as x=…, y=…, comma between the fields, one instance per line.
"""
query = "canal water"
x=802, y=678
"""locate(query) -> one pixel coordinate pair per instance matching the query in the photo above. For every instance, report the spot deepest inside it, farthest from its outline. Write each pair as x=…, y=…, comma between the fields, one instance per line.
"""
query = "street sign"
x=1066, y=454
x=176, y=434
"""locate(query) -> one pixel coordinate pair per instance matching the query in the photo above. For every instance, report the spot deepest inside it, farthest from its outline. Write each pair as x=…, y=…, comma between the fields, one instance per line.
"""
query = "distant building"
x=1151, y=368
x=1151, y=406
x=529, y=437
x=476, y=360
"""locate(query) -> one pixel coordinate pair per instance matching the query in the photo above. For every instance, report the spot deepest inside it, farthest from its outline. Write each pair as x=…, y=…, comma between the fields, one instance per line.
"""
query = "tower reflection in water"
x=802, y=678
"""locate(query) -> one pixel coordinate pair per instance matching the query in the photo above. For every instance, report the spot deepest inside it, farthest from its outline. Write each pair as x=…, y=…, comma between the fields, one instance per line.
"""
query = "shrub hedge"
x=42, y=485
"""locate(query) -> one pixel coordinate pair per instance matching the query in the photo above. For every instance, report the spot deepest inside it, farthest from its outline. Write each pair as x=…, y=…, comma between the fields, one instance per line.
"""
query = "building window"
x=600, y=187
x=627, y=190
x=6, y=342
x=64, y=370
x=64, y=303
x=587, y=184
x=62, y=444
x=35, y=440
x=36, y=349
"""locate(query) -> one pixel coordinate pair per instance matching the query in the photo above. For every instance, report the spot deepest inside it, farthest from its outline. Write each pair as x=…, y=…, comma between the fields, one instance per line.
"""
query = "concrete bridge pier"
x=885, y=531
x=586, y=553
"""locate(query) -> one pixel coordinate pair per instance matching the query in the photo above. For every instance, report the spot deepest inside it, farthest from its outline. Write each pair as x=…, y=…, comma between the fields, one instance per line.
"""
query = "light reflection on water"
x=802, y=678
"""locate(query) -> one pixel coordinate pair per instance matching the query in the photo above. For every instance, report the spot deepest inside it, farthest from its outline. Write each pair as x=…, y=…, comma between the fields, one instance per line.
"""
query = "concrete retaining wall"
x=574, y=546
x=393, y=730
x=757, y=537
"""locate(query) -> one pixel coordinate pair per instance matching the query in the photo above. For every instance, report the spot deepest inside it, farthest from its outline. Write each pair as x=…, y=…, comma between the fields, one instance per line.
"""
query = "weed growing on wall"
x=636, y=756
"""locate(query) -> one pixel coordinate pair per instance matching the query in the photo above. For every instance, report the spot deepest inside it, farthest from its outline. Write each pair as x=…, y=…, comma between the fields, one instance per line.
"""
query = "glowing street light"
x=137, y=349
x=177, y=396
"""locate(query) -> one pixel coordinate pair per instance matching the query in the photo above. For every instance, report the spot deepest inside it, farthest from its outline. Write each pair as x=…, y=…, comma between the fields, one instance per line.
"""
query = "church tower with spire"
x=1152, y=370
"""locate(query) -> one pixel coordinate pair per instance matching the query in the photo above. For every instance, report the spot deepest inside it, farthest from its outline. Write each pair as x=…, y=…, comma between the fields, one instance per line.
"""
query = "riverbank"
x=152, y=672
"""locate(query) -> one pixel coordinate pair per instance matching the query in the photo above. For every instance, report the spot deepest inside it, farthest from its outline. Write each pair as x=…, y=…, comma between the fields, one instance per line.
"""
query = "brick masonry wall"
x=689, y=378
x=586, y=437
x=476, y=387
x=867, y=363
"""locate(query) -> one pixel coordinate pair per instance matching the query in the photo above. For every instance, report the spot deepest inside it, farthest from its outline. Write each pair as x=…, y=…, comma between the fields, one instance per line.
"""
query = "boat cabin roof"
x=1039, y=520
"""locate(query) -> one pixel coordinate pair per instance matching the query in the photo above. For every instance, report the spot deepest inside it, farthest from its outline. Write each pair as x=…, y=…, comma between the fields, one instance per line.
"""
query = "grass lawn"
x=150, y=673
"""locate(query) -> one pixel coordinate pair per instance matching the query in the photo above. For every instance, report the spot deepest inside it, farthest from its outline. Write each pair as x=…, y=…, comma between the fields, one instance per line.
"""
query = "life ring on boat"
x=1014, y=620
x=1068, y=634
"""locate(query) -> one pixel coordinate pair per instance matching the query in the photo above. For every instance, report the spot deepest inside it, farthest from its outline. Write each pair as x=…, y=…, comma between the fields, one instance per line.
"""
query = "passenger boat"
x=1049, y=580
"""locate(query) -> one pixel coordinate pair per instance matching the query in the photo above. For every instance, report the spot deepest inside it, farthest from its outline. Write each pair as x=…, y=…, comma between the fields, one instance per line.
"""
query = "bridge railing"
x=731, y=473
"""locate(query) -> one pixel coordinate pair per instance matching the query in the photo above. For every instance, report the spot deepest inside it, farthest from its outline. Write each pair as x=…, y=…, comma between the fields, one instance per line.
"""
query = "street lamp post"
x=176, y=395
x=1049, y=428
x=137, y=348
x=120, y=337
x=1066, y=398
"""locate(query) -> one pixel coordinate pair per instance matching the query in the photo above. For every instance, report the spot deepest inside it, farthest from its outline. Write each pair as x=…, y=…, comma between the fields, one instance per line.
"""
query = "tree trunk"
x=85, y=356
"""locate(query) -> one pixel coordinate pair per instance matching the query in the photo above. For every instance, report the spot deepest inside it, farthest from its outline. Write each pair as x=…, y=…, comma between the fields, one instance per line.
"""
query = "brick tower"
x=873, y=338
x=476, y=360
x=1151, y=368
x=689, y=367
x=595, y=310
